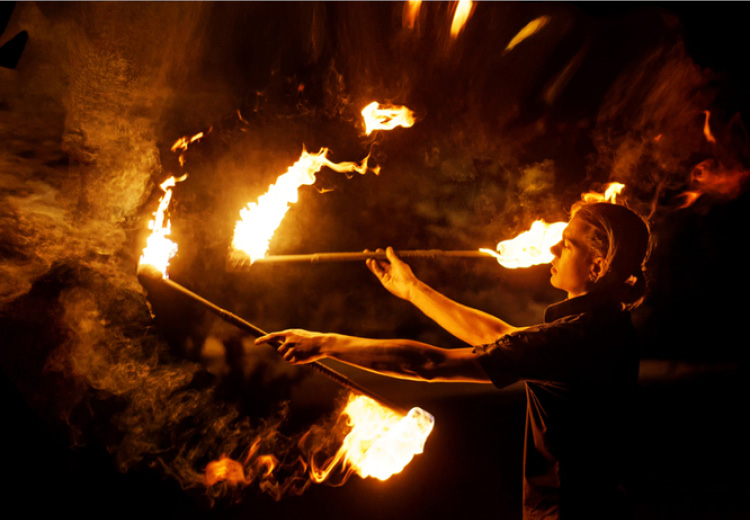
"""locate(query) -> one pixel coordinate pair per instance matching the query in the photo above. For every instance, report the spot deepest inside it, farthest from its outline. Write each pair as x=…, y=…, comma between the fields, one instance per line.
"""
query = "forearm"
x=473, y=326
x=404, y=359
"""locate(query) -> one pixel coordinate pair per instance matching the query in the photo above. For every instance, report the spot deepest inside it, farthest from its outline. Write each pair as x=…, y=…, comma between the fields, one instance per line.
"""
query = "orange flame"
x=182, y=144
x=532, y=247
x=386, y=117
x=159, y=248
x=711, y=177
x=464, y=9
x=259, y=220
x=411, y=13
x=530, y=29
x=380, y=443
x=611, y=191
x=225, y=469
x=707, y=129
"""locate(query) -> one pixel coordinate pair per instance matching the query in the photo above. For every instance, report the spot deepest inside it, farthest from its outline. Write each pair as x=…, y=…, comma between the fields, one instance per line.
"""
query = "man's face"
x=573, y=269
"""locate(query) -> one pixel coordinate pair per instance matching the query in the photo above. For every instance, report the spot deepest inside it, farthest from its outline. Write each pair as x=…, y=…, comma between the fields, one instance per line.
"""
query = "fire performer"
x=578, y=366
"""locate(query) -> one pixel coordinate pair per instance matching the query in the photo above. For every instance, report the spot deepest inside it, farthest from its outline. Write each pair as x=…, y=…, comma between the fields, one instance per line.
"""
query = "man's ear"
x=598, y=267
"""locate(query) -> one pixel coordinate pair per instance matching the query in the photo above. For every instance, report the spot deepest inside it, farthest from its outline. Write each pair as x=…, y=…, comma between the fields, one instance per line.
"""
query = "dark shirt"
x=579, y=368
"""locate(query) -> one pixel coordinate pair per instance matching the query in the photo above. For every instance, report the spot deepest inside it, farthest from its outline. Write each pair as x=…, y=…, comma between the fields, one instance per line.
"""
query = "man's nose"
x=555, y=250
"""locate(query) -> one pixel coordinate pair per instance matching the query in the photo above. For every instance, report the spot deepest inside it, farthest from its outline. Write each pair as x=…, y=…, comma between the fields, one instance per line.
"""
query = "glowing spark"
x=386, y=117
x=159, y=248
x=531, y=28
x=460, y=17
x=182, y=144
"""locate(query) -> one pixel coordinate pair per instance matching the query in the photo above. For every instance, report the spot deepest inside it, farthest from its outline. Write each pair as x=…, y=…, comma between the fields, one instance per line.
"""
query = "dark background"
x=100, y=93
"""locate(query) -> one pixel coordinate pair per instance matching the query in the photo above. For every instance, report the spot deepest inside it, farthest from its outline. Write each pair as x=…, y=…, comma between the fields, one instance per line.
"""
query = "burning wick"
x=159, y=248
x=386, y=117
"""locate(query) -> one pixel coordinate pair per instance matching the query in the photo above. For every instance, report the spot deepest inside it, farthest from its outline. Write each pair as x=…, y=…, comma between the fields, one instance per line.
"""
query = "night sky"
x=117, y=397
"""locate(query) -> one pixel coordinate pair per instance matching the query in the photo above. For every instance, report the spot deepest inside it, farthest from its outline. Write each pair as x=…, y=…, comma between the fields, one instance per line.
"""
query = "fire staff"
x=579, y=366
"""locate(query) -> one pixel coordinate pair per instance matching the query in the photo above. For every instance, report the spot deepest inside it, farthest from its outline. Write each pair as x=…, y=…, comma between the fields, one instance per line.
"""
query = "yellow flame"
x=381, y=442
x=259, y=220
x=529, y=248
x=463, y=11
x=531, y=28
x=159, y=248
x=386, y=117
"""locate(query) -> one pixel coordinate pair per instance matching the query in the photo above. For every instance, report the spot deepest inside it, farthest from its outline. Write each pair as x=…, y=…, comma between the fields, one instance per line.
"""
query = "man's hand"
x=296, y=345
x=395, y=275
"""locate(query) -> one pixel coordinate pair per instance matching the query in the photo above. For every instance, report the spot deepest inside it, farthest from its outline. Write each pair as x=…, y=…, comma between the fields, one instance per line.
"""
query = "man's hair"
x=623, y=239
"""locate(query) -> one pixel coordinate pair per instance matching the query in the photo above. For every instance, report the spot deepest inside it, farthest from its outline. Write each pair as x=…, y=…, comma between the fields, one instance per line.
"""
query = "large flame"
x=259, y=220
x=461, y=16
x=160, y=248
x=380, y=443
x=386, y=117
x=532, y=247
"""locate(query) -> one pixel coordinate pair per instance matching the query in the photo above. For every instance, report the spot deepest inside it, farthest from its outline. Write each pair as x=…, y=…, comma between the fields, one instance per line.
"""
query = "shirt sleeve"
x=554, y=351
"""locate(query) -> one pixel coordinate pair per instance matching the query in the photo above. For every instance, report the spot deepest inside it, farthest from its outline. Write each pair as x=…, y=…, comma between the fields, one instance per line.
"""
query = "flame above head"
x=381, y=442
x=461, y=16
x=259, y=220
x=611, y=191
x=529, y=248
x=530, y=29
x=159, y=248
x=386, y=117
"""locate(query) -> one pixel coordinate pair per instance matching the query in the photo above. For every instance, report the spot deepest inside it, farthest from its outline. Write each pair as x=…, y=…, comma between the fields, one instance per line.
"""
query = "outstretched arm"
x=473, y=326
x=399, y=358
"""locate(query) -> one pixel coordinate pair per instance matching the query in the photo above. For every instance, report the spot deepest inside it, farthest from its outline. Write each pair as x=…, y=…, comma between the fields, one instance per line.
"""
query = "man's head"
x=603, y=249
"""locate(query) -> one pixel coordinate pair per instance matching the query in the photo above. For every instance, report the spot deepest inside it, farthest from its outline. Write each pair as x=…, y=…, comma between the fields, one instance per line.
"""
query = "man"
x=578, y=366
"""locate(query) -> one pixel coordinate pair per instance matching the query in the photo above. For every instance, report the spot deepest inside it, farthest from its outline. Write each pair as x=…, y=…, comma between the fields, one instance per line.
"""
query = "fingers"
x=295, y=346
x=378, y=267
x=272, y=337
